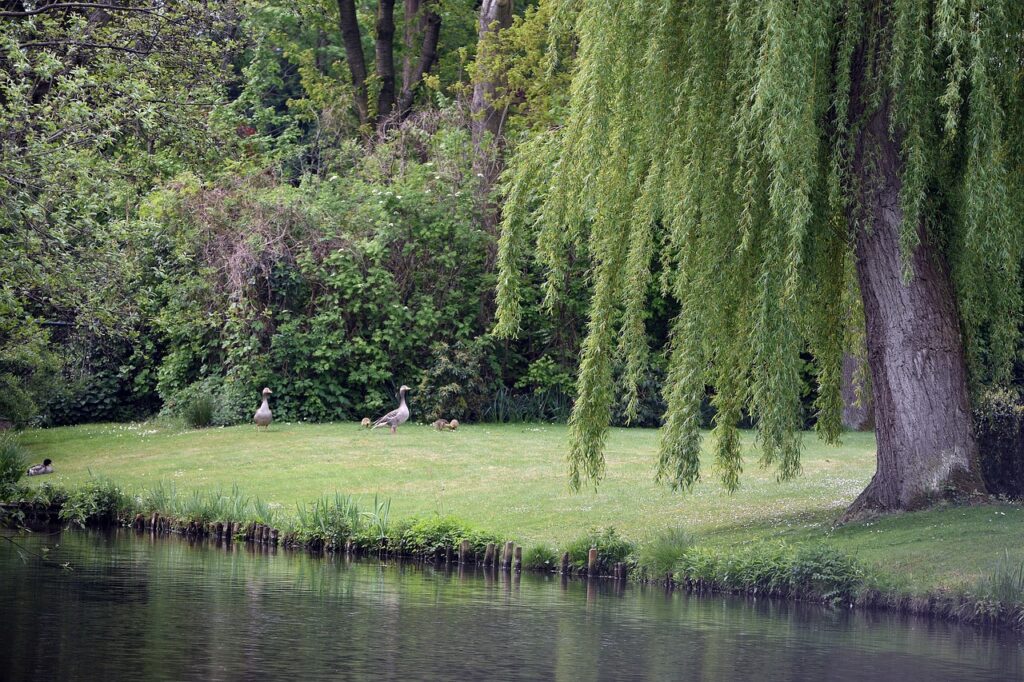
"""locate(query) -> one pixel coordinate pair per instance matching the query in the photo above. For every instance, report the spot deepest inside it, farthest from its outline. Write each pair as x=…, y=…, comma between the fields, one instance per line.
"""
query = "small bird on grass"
x=264, y=416
x=39, y=469
x=366, y=423
x=397, y=417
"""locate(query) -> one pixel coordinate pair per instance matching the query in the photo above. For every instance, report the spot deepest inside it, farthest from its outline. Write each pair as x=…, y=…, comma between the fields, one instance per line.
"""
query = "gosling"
x=453, y=425
x=366, y=423
x=440, y=424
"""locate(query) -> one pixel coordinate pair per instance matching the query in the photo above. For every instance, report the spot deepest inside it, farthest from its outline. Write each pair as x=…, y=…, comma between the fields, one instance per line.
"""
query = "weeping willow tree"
x=805, y=173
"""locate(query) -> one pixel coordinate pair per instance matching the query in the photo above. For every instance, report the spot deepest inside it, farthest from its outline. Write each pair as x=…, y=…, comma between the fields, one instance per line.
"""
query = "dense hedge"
x=999, y=424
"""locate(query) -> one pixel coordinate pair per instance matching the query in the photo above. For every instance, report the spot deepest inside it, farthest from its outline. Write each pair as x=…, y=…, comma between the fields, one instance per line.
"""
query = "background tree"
x=98, y=102
x=790, y=162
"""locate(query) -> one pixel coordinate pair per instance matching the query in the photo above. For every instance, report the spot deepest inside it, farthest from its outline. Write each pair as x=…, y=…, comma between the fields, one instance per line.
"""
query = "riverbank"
x=510, y=480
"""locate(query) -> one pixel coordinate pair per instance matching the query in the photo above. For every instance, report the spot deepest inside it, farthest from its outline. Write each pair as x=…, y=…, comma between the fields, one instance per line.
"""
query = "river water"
x=131, y=607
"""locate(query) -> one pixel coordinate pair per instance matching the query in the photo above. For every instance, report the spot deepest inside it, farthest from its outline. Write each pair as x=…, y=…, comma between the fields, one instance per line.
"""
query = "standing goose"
x=264, y=416
x=394, y=418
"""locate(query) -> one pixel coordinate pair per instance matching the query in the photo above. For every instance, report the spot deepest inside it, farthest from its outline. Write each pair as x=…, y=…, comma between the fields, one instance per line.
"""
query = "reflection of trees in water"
x=170, y=609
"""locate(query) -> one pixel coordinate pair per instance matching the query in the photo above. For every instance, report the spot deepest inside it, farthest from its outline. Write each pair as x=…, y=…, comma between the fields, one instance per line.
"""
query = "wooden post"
x=139, y=523
x=592, y=562
x=565, y=563
x=464, y=550
x=506, y=556
x=519, y=559
x=274, y=535
x=154, y=521
x=489, y=554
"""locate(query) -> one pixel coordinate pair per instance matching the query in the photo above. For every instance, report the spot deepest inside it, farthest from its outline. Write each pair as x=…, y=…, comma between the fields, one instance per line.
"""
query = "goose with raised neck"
x=264, y=416
x=396, y=417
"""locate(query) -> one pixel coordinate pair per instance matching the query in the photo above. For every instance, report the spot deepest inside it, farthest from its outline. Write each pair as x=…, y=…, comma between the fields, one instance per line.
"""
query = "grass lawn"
x=511, y=479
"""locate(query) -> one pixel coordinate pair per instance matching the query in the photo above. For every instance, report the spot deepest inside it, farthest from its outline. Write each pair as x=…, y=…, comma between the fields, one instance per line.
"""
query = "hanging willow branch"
x=716, y=136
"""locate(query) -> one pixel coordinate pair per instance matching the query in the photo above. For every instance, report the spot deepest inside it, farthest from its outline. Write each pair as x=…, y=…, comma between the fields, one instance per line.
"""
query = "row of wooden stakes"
x=252, y=532
x=510, y=558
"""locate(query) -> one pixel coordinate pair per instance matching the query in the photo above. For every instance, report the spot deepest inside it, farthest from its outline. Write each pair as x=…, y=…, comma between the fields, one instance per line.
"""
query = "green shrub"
x=425, y=536
x=999, y=427
x=611, y=549
x=457, y=384
x=12, y=464
x=661, y=553
x=198, y=411
x=826, y=573
x=214, y=401
x=98, y=503
x=46, y=495
x=540, y=558
x=815, y=572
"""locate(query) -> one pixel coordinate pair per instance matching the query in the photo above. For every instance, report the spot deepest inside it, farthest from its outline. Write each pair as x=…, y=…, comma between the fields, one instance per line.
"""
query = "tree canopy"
x=719, y=140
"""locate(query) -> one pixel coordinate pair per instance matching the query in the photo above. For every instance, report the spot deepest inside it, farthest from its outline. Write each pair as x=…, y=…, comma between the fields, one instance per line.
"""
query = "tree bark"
x=486, y=123
x=858, y=410
x=926, y=447
x=350, y=36
x=385, y=50
x=411, y=30
x=431, y=26
x=495, y=15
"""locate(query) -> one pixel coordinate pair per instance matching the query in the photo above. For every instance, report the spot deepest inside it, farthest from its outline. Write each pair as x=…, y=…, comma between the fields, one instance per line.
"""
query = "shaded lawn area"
x=511, y=480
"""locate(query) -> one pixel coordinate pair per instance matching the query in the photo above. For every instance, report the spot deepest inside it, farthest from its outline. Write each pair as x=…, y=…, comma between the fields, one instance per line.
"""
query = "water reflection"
x=135, y=607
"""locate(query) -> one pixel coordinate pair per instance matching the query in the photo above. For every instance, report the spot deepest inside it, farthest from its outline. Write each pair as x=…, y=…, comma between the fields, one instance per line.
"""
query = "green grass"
x=511, y=480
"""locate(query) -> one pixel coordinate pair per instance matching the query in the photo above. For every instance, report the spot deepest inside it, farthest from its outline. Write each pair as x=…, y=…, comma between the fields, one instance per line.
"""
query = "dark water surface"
x=134, y=608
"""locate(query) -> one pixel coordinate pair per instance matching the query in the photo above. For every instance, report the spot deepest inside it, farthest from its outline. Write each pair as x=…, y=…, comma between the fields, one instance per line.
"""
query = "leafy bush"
x=661, y=553
x=999, y=426
x=100, y=503
x=816, y=572
x=457, y=384
x=216, y=401
x=29, y=368
x=611, y=549
x=425, y=536
x=115, y=384
x=826, y=573
x=12, y=464
x=540, y=558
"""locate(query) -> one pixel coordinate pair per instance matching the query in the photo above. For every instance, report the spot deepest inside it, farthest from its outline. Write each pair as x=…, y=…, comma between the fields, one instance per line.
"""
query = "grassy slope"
x=511, y=480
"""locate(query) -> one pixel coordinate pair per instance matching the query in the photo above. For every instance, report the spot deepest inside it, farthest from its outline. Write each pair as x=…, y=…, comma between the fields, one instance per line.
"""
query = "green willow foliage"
x=717, y=137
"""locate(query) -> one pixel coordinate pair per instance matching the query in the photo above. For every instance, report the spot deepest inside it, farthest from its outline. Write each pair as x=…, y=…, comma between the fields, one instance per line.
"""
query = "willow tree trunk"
x=926, y=447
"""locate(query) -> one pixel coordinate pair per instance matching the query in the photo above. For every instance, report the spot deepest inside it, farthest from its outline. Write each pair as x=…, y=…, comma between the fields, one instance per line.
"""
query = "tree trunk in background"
x=926, y=447
x=430, y=27
x=412, y=9
x=385, y=52
x=486, y=121
x=349, y=25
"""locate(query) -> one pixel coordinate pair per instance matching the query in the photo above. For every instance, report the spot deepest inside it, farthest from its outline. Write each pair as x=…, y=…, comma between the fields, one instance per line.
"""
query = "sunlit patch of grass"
x=511, y=480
